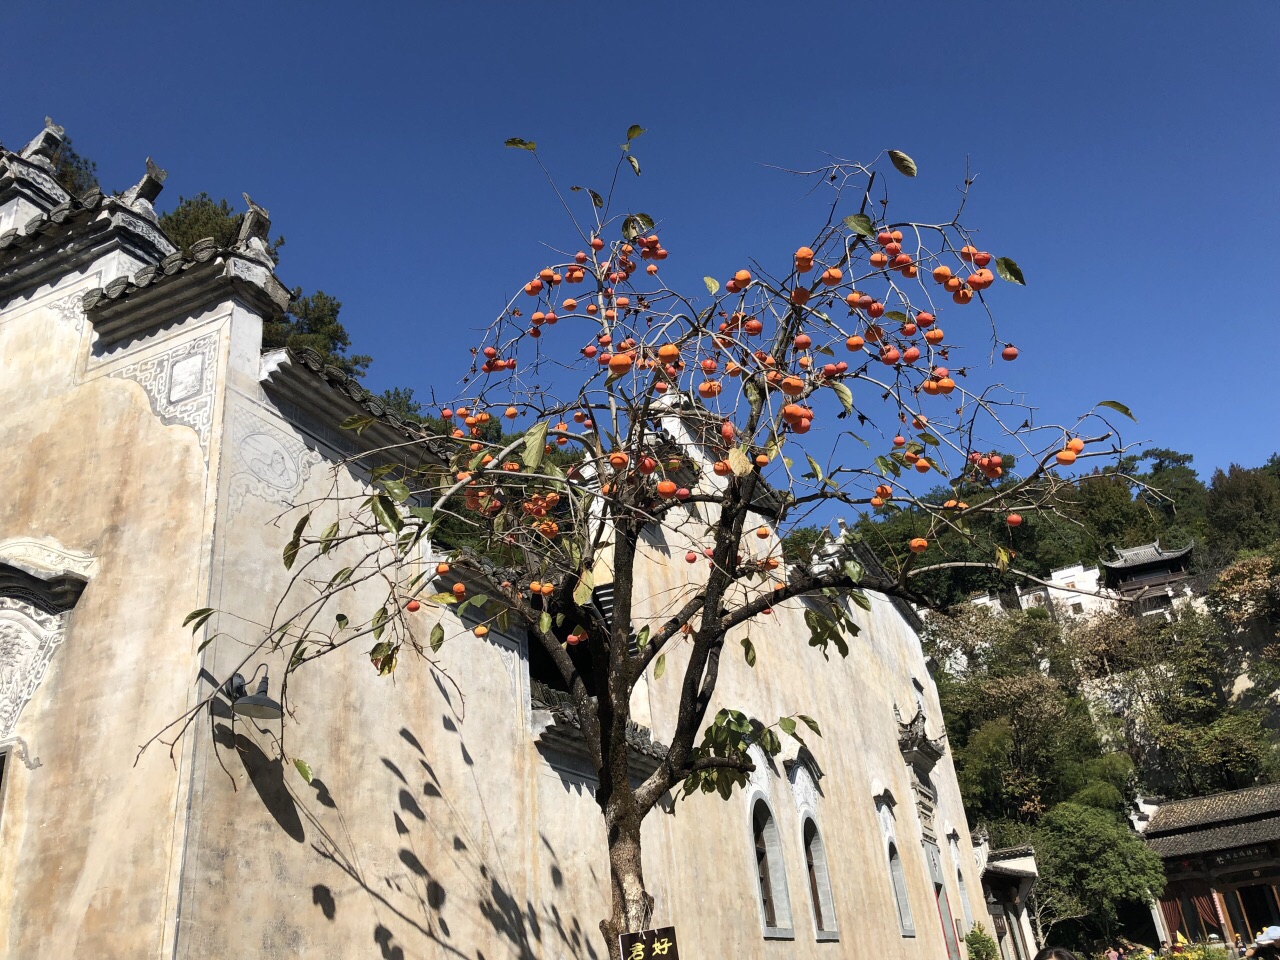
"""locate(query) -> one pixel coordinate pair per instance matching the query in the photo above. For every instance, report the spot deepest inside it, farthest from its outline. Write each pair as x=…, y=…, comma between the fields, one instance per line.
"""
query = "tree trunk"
x=631, y=905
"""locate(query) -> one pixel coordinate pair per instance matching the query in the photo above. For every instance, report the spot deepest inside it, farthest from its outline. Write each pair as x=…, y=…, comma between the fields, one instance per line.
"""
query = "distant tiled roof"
x=1247, y=804
x=1209, y=839
x=1011, y=853
x=1147, y=553
x=1217, y=822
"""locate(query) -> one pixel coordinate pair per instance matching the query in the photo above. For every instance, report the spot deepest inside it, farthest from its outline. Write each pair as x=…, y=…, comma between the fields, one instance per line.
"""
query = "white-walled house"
x=150, y=450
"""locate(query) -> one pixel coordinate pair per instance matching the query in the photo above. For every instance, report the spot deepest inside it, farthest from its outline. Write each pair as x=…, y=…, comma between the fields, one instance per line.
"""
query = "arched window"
x=775, y=908
x=905, y=922
x=815, y=861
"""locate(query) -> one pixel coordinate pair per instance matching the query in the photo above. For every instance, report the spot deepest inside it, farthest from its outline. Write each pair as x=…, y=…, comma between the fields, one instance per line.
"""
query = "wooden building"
x=1221, y=855
x=1149, y=576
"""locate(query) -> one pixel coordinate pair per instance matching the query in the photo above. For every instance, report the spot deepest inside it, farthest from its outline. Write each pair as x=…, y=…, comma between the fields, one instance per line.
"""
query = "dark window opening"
x=760, y=822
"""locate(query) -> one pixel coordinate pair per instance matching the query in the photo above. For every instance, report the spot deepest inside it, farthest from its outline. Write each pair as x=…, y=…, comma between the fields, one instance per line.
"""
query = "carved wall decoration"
x=803, y=788
x=142, y=228
x=758, y=779
x=70, y=310
x=28, y=638
x=45, y=559
x=180, y=384
x=269, y=464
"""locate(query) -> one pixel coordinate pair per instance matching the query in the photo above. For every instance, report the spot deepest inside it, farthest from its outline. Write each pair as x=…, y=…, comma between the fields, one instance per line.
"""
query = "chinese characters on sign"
x=1242, y=853
x=657, y=944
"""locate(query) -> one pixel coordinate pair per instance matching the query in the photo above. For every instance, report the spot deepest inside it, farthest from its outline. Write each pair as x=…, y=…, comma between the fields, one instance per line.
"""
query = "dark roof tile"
x=1209, y=839
x=1181, y=815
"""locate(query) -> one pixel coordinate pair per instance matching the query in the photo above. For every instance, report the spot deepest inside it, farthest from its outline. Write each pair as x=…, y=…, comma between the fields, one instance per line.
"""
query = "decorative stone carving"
x=803, y=788
x=70, y=309
x=255, y=229
x=884, y=816
x=269, y=464
x=758, y=779
x=918, y=749
x=143, y=229
x=179, y=383
x=28, y=639
x=141, y=195
x=45, y=559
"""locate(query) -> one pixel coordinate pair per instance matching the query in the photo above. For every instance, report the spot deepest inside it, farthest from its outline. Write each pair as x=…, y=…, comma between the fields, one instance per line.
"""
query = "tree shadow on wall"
x=267, y=777
x=422, y=818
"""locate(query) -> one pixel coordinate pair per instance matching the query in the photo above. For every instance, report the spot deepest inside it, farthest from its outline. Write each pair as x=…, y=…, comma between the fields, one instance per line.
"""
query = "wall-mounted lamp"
x=257, y=706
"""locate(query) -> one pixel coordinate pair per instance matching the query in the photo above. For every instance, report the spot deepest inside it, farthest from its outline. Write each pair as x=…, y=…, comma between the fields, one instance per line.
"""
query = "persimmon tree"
x=812, y=378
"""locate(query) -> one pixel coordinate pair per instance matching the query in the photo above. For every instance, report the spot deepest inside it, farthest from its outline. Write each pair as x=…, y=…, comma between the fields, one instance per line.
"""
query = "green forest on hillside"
x=1055, y=724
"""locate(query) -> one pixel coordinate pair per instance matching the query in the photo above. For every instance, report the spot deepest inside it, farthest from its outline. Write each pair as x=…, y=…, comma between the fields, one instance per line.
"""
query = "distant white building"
x=1146, y=580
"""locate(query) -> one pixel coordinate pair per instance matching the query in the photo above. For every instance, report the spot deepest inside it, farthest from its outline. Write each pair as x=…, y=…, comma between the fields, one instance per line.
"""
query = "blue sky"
x=1126, y=155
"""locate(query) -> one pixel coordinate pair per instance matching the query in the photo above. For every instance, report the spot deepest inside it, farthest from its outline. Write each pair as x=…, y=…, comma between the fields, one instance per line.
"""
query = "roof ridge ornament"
x=44, y=146
x=140, y=196
x=255, y=228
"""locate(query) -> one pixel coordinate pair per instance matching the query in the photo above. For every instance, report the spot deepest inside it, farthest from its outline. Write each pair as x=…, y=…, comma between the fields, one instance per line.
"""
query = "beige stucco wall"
x=89, y=842
x=434, y=826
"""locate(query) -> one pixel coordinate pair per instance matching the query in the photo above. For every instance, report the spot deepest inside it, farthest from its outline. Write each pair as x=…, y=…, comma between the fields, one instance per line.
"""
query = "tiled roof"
x=1011, y=853
x=1147, y=553
x=181, y=283
x=327, y=395
x=1209, y=839
x=1250, y=803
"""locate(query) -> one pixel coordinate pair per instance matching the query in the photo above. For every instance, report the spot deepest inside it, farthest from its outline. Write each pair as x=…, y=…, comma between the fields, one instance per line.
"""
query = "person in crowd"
x=1266, y=946
x=1055, y=953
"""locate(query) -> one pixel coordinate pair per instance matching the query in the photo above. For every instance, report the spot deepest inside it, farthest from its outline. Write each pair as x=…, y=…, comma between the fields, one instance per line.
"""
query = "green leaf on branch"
x=749, y=651
x=443, y=599
x=787, y=725
x=596, y=199
x=197, y=618
x=902, y=163
x=586, y=585
x=634, y=131
x=853, y=570
x=357, y=422
x=635, y=224
x=422, y=513
x=437, y=638
x=1118, y=407
x=844, y=394
x=535, y=445
x=713, y=285
x=860, y=224
x=642, y=638
x=813, y=465
x=295, y=542
x=660, y=666
x=328, y=537
x=544, y=622
x=897, y=316
x=385, y=512
x=860, y=599
x=304, y=769
x=520, y=144
x=341, y=620
x=379, y=623
x=1006, y=269
x=809, y=722
x=396, y=490
x=635, y=164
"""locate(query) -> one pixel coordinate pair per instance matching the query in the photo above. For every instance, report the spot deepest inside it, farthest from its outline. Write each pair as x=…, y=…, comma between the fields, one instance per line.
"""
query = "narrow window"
x=767, y=846
x=762, y=867
x=815, y=857
x=899, y=879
